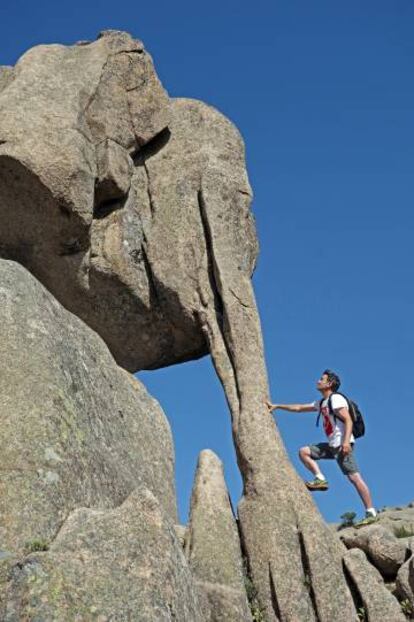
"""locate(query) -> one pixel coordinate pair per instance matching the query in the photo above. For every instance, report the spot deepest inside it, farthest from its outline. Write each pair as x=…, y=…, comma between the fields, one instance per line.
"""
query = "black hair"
x=333, y=379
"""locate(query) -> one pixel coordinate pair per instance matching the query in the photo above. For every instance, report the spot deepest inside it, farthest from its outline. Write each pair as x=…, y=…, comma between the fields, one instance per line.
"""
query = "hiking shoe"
x=317, y=484
x=368, y=520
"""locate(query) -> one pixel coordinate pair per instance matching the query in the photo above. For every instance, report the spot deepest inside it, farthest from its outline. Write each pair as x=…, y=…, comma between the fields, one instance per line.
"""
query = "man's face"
x=323, y=383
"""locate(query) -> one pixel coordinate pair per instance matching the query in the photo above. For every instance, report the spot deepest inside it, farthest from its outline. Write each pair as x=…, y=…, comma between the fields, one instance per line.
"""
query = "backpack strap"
x=319, y=414
x=331, y=411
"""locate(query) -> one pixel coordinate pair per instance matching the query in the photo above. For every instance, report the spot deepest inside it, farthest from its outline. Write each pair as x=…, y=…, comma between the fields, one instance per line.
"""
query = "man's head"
x=328, y=381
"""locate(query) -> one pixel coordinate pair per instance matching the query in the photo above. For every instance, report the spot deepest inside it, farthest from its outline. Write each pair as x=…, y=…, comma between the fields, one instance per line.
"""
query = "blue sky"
x=323, y=94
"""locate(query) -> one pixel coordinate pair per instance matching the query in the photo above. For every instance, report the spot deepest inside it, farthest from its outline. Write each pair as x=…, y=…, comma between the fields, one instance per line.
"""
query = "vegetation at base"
x=407, y=609
x=403, y=532
x=348, y=519
x=257, y=611
x=362, y=614
x=36, y=544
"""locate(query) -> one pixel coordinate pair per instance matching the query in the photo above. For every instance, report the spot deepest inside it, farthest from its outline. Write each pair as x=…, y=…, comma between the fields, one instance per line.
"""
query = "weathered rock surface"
x=377, y=601
x=95, y=186
x=293, y=559
x=405, y=581
x=6, y=76
x=76, y=429
x=383, y=549
x=123, y=564
x=213, y=547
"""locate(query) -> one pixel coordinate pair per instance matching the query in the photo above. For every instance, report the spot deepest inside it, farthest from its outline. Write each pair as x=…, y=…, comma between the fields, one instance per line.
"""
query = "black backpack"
x=358, y=427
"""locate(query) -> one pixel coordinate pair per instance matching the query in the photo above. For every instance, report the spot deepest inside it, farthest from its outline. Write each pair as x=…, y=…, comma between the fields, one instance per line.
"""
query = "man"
x=338, y=429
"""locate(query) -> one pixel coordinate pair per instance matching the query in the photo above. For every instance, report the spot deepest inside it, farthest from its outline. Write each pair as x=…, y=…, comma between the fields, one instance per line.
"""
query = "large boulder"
x=405, y=582
x=383, y=549
x=76, y=430
x=212, y=546
x=377, y=602
x=123, y=564
x=101, y=181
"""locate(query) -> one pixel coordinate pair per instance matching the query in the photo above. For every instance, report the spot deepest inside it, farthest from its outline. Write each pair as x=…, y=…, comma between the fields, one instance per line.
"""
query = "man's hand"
x=346, y=449
x=270, y=406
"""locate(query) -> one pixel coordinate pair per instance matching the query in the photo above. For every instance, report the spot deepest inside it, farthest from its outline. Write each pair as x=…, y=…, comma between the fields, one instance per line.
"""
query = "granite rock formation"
x=377, y=602
x=120, y=564
x=133, y=210
x=77, y=430
x=212, y=545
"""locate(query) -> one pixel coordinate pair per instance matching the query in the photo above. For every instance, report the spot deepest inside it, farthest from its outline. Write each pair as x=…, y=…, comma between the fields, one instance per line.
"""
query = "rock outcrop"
x=101, y=181
x=134, y=211
x=377, y=602
x=386, y=552
x=381, y=554
x=120, y=564
x=212, y=546
x=76, y=430
x=405, y=582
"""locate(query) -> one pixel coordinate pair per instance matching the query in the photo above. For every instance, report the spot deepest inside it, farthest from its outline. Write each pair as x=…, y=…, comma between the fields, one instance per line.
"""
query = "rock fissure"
x=274, y=599
x=353, y=588
x=307, y=574
x=150, y=196
x=228, y=380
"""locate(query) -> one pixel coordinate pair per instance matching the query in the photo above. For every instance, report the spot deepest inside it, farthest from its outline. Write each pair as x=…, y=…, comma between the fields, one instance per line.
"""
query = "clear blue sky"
x=323, y=93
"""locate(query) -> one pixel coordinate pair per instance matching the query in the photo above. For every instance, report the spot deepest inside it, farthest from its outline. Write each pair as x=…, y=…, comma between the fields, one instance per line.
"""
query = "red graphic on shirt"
x=327, y=423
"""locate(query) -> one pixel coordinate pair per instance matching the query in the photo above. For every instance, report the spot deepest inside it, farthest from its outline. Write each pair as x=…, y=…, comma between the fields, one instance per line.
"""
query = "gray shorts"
x=323, y=451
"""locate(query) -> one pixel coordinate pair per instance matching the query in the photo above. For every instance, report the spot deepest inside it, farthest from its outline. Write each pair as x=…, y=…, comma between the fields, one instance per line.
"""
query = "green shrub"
x=362, y=614
x=407, y=609
x=257, y=611
x=36, y=544
x=403, y=532
x=348, y=519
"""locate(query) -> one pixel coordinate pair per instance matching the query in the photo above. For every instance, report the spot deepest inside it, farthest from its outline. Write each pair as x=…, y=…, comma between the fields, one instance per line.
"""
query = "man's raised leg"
x=319, y=483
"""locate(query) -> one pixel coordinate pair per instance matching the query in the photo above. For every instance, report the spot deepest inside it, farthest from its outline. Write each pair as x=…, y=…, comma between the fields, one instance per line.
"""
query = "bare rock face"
x=101, y=181
x=405, y=581
x=384, y=550
x=76, y=429
x=213, y=548
x=6, y=76
x=377, y=602
x=120, y=564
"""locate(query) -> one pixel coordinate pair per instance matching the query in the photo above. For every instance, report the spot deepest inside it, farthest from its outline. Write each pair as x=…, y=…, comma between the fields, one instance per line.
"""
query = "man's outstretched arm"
x=293, y=408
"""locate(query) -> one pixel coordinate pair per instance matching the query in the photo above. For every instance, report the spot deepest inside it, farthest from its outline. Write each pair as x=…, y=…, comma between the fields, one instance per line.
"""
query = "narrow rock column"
x=295, y=563
x=212, y=546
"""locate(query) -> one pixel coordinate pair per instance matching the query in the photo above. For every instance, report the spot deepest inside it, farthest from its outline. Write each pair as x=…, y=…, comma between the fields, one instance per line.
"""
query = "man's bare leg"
x=362, y=489
x=310, y=463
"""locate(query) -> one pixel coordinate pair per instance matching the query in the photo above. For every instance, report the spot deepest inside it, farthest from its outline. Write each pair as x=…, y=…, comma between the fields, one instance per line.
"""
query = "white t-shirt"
x=333, y=426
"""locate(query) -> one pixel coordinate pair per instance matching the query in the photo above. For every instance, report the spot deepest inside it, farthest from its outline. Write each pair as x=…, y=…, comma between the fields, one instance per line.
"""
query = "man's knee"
x=355, y=478
x=304, y=452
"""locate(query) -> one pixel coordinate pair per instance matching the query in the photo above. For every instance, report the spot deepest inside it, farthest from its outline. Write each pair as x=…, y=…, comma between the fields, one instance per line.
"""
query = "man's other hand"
x=346, y=449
